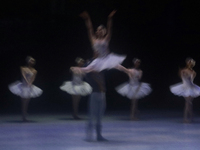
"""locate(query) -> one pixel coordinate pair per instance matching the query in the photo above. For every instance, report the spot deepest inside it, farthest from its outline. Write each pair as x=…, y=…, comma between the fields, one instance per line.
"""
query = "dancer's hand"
x=112, y=14
x=84, y=15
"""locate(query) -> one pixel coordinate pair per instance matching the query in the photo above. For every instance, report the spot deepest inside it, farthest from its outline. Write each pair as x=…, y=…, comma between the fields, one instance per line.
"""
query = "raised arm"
x=109, y=25
x=84, y=15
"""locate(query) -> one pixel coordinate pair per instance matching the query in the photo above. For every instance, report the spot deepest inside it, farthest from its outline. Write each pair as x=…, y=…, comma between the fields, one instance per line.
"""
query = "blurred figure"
x=100, y=42
x=187, y=88
x=25, y=89
x=133, y=89
x=97, y=104
x=76, y=88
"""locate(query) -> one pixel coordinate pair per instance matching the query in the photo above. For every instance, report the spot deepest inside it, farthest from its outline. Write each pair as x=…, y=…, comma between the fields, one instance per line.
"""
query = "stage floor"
x=158, y=130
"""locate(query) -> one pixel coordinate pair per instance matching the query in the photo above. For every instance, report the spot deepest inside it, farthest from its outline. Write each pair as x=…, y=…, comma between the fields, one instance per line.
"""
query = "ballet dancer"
x=77, y=88
x=25, y=89
x=187, y=88
x=100, y=43
x=134, y=89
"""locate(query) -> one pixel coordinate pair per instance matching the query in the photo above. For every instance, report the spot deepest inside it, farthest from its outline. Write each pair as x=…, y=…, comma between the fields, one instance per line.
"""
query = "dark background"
x=161, y=33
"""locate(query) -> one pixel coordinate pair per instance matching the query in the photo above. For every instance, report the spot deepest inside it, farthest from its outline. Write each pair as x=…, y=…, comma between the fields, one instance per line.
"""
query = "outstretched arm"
x=122, y=68
x=81, y=70
x=84, y=15
x=109, y=25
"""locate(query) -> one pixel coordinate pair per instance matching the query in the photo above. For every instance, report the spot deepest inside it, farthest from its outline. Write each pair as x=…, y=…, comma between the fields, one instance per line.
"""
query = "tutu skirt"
x=107, y=62
x=24, y=91
x=82, y=89
x=185, y=90
x=134, y=91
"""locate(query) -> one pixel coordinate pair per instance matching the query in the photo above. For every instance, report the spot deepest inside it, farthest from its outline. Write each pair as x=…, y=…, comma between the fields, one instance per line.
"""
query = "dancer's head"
x=190, y=62
x=101, y=31
x=136, y=62
x=80, y=62
x=30, y=61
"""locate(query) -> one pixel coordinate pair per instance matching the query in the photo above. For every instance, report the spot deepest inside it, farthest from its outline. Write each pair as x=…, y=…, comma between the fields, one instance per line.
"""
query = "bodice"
x=187, y=79
x=135, y=76
x=28, y=74
x=77, y=79
x=101, y=46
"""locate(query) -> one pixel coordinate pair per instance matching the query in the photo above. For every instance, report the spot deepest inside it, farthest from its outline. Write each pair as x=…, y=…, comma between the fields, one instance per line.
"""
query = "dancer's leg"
x=75, y=102
x=133, y=109
x=188, y=112
x=100, y=112
x=25, y=103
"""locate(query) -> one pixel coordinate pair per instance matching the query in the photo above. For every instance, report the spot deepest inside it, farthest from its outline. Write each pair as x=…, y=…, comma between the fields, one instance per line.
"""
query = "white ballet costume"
x=187, y=88
x=23, y=90
x=77, y=86
x=134, y=89
x=105, y=60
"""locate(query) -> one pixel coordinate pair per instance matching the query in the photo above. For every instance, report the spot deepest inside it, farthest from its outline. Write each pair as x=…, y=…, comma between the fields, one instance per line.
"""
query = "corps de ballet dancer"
x=134, y=89
x=77, y=88
x=25, y=89
x=187, y=88
x=100, y=44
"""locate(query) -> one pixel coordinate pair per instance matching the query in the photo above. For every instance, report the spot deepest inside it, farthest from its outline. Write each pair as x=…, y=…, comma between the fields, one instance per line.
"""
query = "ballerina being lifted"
x=100, y=42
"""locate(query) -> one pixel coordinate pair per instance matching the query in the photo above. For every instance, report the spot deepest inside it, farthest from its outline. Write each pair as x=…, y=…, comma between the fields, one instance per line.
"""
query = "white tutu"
x=185, y=90
x=107, y=62
x=82, y=89
x=24, y=91
x=134, y=91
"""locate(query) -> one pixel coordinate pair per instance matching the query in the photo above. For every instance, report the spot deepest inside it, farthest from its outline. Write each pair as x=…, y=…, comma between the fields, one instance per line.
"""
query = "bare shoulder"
x=34, y=71
x=194, y=72
x=184, y=70
x=23, y=68
x=131, y=70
